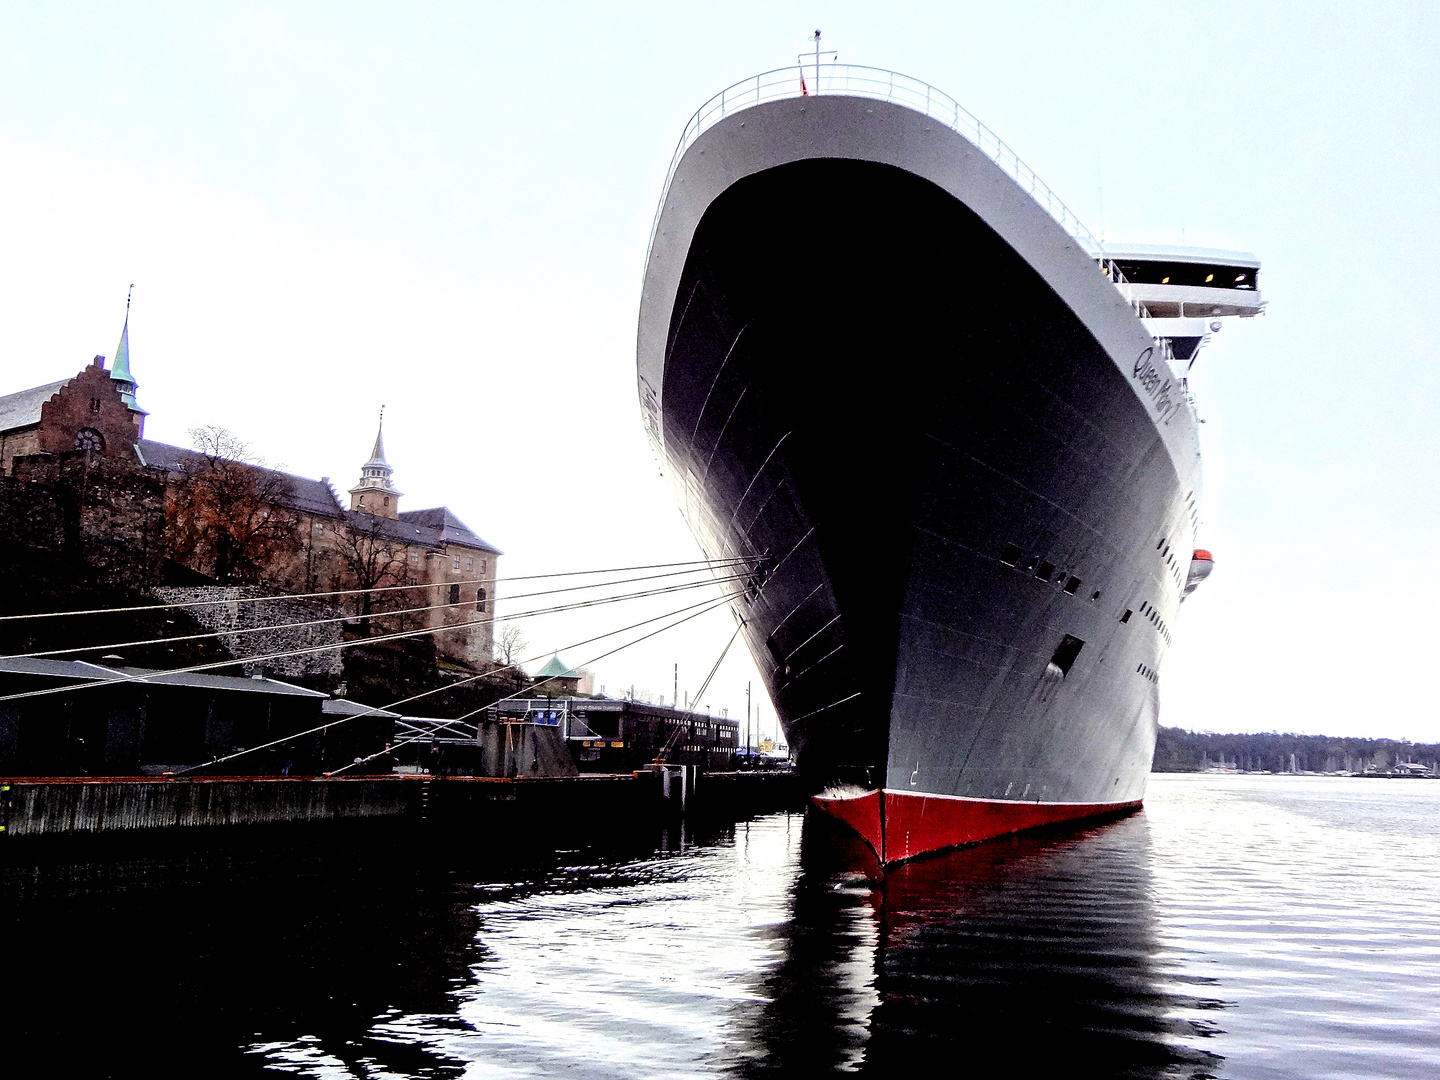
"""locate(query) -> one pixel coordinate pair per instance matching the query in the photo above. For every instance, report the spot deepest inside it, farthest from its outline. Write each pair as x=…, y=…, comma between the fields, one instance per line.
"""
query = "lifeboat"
x=1201, y=563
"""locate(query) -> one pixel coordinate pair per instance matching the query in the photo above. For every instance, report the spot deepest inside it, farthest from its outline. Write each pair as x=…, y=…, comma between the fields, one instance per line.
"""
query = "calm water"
x=1241, y=926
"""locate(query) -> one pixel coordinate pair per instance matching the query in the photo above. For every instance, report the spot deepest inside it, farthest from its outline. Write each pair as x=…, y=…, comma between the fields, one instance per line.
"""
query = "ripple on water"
x=1240, y=926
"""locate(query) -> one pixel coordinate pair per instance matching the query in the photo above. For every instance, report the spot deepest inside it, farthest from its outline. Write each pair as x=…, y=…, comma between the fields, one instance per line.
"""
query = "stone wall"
x=104, y=514
x=18, y=443
x=241, y=630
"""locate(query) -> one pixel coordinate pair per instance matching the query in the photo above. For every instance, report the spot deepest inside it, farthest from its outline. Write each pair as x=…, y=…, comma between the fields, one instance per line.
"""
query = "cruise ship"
x=951, y=435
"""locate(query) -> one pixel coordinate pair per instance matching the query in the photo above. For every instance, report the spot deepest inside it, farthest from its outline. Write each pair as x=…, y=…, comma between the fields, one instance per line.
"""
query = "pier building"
x=617, y=735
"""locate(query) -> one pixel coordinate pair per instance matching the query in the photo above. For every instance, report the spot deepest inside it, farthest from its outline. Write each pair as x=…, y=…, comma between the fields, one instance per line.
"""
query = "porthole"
x=1010, y=556
x=1126, y=617
x=1045, y=570
x=1073, y=586
x=1095, y=596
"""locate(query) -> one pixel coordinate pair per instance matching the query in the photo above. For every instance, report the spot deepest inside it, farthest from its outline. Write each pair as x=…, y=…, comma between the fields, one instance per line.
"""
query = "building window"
x=387, y=500
x=454, y=594
x=319, y=526
x=482, y=566
x=479, y=599
x=470, y=565
x=414, y=558
x=457, y=562
x=89, y=439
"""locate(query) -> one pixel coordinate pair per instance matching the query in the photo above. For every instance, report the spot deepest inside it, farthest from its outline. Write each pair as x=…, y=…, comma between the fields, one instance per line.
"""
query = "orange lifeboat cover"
x=1202, y=554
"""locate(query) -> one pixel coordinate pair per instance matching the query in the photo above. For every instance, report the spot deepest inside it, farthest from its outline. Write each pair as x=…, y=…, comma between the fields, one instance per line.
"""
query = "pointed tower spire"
x=120, y=369
x=375, y=493
x=377, y=455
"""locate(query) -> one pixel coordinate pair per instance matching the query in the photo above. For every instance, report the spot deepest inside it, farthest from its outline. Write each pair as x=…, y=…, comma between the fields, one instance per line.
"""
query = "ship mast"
x=800, y=59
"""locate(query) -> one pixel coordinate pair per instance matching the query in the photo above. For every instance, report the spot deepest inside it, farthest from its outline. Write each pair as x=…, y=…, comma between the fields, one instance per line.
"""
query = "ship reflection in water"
x=1241, y=926
x=1038, y=955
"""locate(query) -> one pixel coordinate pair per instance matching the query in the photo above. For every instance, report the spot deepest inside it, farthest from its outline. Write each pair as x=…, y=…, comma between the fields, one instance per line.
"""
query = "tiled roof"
x=555, y=668
x=432, y=527
x=451, y=529
x=403, y=531
x=22, y=409
x=346, y=707
x=310, y=496
x=83, y=670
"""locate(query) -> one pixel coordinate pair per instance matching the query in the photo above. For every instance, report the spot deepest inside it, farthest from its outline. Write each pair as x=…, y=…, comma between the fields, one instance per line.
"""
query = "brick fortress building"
x=91, y=424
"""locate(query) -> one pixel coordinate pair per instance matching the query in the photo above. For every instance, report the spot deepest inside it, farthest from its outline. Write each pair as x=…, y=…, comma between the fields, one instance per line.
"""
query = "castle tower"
x=120, y=369
x=375, y=493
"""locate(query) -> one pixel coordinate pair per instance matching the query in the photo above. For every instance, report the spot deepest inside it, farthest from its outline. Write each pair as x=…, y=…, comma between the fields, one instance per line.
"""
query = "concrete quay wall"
x=59, y=807
x=539, y=807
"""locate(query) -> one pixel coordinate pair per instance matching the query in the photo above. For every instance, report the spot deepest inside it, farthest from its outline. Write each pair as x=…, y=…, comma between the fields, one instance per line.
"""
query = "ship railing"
x=855, y=80
x=880, y=84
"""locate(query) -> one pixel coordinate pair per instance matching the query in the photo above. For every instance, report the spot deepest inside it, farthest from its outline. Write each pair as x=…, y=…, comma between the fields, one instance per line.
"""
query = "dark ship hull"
x=872, y=365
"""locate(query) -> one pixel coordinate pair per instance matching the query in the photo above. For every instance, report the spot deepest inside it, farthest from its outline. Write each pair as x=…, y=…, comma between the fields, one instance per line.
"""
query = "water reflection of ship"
x=1041, y=950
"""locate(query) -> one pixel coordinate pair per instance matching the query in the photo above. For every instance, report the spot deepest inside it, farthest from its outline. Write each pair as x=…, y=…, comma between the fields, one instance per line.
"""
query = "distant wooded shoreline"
x=1178, y=750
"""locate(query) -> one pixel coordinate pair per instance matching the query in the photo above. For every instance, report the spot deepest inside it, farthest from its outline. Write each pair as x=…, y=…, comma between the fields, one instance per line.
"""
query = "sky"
x=329, y=207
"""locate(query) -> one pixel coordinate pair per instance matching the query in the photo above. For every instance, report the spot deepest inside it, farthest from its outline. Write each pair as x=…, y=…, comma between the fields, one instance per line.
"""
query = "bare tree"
x=228, y=513
x=374, y=559
x=510, y=642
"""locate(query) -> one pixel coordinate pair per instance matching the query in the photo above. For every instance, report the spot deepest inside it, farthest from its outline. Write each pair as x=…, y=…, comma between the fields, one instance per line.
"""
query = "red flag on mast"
x=803, y=91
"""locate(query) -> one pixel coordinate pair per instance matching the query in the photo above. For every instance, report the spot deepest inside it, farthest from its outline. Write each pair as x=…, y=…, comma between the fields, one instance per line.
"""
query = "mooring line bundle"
x=704, y=609
x=394, y=636
x=377, y=615
x=717, y=572
x=698, y=564
x=704, y=606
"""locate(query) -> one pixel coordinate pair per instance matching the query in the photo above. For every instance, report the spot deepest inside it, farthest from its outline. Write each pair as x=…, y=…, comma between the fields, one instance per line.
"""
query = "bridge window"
x=1205, y=275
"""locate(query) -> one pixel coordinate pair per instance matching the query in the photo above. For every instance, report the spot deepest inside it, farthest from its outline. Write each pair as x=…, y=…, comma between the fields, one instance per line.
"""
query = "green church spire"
x=120, y=369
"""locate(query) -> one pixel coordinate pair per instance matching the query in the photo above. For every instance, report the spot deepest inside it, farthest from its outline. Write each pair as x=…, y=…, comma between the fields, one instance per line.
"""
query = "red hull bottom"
x=900, y=825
